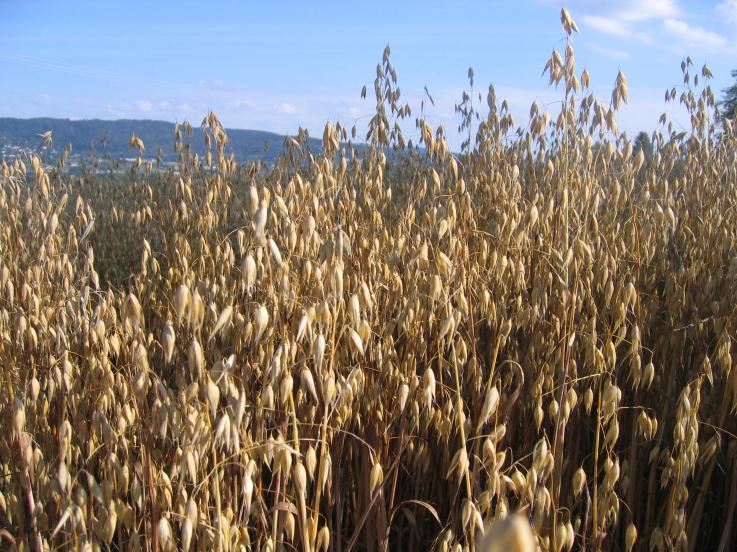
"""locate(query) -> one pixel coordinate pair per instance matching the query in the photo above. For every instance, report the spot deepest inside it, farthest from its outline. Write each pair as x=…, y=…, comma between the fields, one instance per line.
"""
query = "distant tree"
x=643, y=142
x=728, y=105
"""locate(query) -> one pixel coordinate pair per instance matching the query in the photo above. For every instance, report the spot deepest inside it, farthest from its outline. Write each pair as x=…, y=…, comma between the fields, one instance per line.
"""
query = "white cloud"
x=615, y=26
x=241, y=104
x=642, y=10
x=728, y=10
x=661, y=23
x=629, y=15
x=145, y=105
x=641, y=113
x=694, y=36
x=607, y=25
x=286, y=108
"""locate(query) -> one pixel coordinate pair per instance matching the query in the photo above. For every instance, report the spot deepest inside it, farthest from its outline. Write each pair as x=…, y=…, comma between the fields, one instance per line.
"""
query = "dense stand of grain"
x=371, y=349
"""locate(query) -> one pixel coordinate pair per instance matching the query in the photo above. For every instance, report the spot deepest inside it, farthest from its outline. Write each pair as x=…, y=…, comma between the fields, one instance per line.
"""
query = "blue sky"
x=277, y=65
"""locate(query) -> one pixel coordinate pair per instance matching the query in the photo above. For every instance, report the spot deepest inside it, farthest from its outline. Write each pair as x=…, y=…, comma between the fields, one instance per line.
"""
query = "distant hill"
x=112, y=137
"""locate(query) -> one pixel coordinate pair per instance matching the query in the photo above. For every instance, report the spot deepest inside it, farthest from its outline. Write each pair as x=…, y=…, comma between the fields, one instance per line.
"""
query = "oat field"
x=524, y=345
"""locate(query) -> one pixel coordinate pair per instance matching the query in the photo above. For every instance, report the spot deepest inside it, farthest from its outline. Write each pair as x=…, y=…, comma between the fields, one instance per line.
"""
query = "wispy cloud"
x=728, y=11
x=661, y=23
x=614, y=26
x=240, y=108
x=694, y=36
x=643, y=10
x=145, y=105
x=286, y=108
x=236, y=105
x=627, y=20
x=607, y=25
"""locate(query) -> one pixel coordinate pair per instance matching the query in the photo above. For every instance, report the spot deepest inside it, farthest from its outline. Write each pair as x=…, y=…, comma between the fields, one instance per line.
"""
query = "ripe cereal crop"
x=523, y=345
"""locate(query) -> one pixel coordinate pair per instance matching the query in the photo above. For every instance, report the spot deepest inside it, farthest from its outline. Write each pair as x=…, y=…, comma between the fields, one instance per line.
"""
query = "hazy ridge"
x=111, y=137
